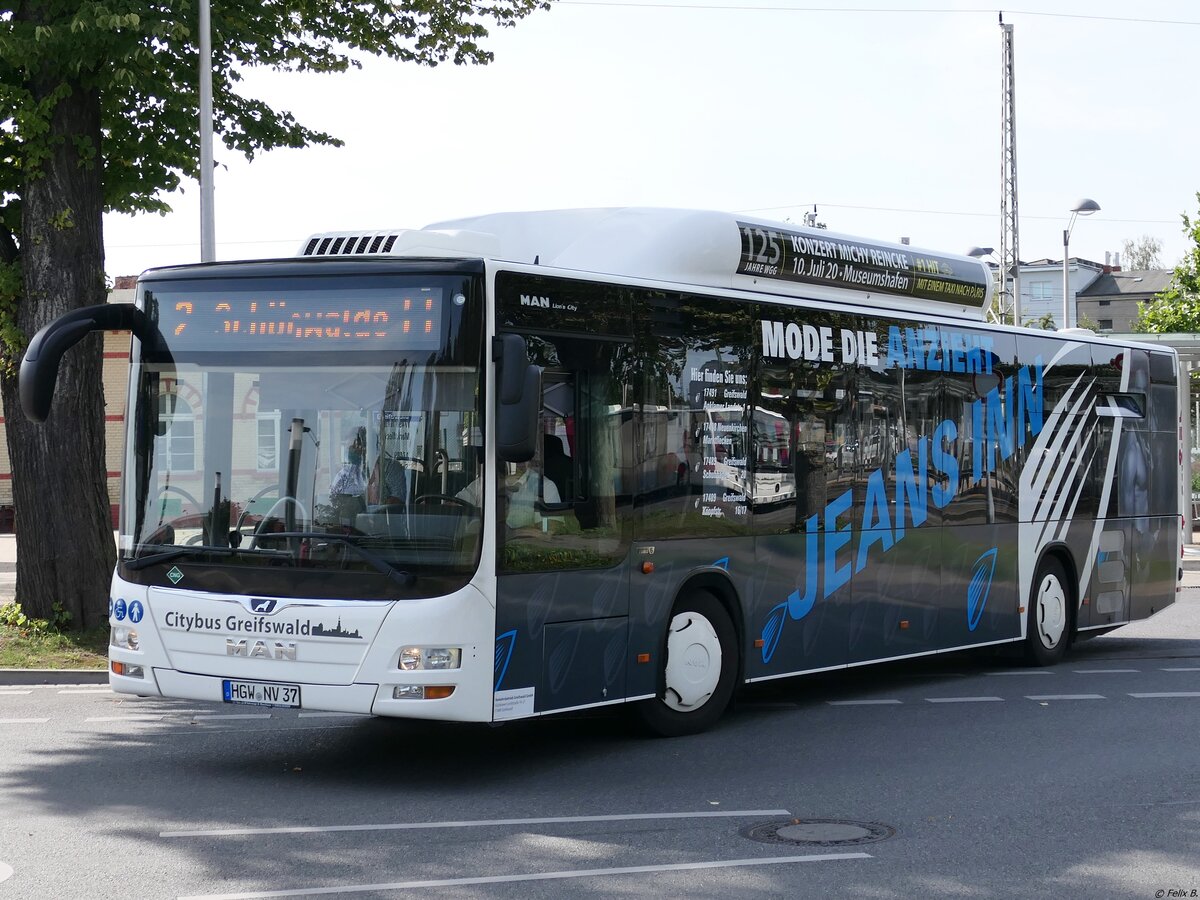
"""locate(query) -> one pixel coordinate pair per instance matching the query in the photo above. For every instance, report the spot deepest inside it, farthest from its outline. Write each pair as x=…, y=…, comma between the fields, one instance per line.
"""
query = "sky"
x=886, y=116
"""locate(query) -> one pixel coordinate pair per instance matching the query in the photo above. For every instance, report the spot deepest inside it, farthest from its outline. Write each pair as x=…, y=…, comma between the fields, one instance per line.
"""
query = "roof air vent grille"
x=348, y=244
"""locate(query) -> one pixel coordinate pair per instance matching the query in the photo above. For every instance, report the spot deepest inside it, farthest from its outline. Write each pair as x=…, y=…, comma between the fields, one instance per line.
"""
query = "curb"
x=53, y=676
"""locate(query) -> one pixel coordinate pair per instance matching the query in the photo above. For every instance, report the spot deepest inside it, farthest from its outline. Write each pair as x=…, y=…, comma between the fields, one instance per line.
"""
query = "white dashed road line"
x=224, y=716
x=24, y=721
x=480, y=823
x=864, y=702
x=535, y=876
x=1021, y=672
x=963, y=699
x=5, y=871
x=1065, y=697
x=1104, y=671
x=332, y=715
x=1165, y=694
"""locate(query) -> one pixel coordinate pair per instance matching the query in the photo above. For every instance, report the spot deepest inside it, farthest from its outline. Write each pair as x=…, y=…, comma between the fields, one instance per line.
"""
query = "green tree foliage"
x=1046, y=322
x=98, y=112
x=1143, y=253
x=1177, y=309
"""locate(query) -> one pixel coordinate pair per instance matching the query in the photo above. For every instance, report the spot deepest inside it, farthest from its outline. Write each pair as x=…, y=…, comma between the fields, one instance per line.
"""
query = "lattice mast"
x=1009, y=283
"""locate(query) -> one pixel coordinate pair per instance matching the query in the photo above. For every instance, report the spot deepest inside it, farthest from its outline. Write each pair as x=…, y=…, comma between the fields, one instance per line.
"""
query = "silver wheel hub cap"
x=693, y=662
x=1051, y=612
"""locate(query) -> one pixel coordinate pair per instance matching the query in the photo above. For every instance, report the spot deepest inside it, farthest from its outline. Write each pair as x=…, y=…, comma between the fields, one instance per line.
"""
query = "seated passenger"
x=522, y=489
x=388, y=483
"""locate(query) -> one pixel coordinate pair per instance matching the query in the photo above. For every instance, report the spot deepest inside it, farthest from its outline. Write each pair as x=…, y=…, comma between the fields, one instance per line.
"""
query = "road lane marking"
x=1021, y=672
x=1103, y=671
x=13, y=693
x=535, y=876
x=104, y=690
x=1182, y=669
x=1065, y=697
x=863, y=702
x=332, y=715
x=5, y=871
x=963, y=699
x=23, y=721
x=141, y=717
x=225, y=716
x=477, y=823
x=1166, y=694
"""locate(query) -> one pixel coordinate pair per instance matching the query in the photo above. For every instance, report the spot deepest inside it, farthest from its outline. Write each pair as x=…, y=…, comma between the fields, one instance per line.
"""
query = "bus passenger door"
x=561, y=591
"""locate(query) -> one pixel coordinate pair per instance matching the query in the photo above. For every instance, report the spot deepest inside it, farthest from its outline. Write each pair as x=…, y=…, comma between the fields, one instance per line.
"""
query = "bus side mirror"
x=39, y=368
x=518, y=399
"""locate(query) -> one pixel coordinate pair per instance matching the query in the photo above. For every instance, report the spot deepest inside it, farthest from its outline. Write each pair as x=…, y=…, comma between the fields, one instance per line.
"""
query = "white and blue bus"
x=528, y=463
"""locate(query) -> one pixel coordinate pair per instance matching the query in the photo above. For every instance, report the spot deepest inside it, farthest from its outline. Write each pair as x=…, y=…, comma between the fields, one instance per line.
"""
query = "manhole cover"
x=819, y=832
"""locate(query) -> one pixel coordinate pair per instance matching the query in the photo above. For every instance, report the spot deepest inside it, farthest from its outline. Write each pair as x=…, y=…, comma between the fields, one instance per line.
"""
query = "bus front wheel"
x=1049, y=624
x=697, y=669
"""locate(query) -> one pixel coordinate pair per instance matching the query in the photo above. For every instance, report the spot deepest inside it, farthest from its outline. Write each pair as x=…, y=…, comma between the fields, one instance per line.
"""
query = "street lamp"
x=1001, y=282
x=1083, y=207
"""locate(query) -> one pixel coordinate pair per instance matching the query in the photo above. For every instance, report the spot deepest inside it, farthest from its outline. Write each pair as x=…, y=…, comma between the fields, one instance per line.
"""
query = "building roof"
x=1134, y=284
x=1047, y=263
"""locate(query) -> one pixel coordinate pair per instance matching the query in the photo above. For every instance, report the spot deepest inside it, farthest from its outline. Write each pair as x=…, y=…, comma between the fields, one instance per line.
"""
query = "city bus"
x=528, y=463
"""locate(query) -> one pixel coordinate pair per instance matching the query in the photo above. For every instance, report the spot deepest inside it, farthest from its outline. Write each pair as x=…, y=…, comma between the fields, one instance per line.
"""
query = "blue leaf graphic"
x=799, y=607
x=504, y=649
x=722, y=563
x=772, y=630
x=980, y=586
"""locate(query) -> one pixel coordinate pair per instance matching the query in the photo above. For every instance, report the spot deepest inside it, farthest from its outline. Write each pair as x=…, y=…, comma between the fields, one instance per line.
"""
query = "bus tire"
x=697, y=670
x=1048, y=630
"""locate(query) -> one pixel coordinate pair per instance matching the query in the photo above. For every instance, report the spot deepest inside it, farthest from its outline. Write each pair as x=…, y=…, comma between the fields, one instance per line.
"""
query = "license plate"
x=261, y=693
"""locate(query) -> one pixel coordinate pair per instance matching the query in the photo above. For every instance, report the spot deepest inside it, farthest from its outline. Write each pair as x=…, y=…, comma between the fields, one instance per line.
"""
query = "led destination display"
x=244, y=320
x=838, y=262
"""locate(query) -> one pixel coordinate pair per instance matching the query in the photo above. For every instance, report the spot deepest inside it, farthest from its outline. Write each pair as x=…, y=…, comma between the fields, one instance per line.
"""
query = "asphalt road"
x=984, y=779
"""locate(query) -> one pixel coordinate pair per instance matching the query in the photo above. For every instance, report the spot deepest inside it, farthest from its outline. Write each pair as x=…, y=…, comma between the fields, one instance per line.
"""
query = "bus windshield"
x=307, y=436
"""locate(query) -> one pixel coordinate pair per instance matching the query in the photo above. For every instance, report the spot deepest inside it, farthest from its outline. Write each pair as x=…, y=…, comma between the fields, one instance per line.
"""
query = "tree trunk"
x=65, y=552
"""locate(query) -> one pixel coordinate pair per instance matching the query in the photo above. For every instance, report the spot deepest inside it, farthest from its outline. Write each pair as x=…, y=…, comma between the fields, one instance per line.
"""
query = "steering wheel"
x=281, y=502
x=170, y=487
x=446, y=498
x=249, y=503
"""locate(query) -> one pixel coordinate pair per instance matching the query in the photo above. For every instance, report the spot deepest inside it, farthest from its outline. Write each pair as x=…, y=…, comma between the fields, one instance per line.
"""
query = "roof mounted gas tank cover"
x=698, y=248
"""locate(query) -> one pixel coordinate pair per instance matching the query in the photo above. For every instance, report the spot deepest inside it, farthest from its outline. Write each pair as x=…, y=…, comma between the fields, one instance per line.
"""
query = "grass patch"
x=36, y=644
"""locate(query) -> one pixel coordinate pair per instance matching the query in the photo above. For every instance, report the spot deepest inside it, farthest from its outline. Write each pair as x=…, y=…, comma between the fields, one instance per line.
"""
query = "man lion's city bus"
x=745, y=450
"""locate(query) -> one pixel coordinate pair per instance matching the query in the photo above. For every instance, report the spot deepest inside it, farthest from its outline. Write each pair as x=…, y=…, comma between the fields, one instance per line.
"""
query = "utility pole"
x=208, y=232
x=1010, y=255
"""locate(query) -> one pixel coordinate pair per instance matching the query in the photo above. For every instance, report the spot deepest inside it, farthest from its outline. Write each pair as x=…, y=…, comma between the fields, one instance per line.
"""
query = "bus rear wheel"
x=697, y=670
x=1048, y=630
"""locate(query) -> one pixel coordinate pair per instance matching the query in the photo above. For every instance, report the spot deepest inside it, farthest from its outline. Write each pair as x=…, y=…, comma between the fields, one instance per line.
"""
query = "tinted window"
x=694, y=417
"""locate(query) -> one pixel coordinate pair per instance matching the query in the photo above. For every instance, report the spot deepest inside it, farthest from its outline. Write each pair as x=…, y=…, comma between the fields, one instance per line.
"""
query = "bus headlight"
x=414, y=658
x=124, y=637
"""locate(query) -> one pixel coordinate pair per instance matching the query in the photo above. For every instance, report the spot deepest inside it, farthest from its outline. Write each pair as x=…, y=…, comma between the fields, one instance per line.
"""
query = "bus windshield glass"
x=306, y=436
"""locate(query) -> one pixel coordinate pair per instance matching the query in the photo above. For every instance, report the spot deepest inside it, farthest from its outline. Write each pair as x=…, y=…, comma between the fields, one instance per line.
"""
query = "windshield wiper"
x=140, y=562
x=381, y=565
